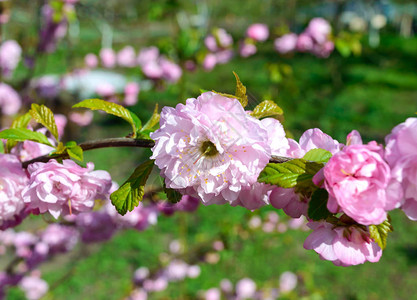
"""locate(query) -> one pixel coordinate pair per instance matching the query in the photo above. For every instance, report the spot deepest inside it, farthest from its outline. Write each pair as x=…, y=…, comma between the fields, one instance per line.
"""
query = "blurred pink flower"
x=224, y=56
x=147, y=55
x=152, y=70
x=209, y=62
x=247, y=49
x=304, y=43
x=258, y=32
x=127, y=57
x=319, y=29
x=210, y=148
x=293, y=204
x=10, y=54
x=96, y=226
x=61, y=122
x=287, y=282
x=245, y=288
x=211, y=43
x=344, y=246
x=91, y=60
x=108, y=57
x=131, y=93
x=10, y=101
x=82, y=118
x=59, y=238
x=33, y=287
x=105, y=89
x=171, y=71
x=213, y=294
x=287, y=43
x=401, y=154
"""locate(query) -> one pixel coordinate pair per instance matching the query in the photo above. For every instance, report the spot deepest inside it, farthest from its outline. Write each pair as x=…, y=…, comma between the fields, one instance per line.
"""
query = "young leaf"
x=110, y=108
x=267, y=108
x=318, y=155
x=127, y=197
x=293, y=173
x=23, y=134
x=136, y=120
x=379, y=233
x=317, y=207
x=44, y=116
x=1, y=147
x=76, y=152
x=240, y=91
x=20, y=122
x=153, y=121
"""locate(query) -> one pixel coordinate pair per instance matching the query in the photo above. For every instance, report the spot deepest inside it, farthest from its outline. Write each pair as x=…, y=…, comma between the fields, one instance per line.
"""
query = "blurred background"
x=336, y=65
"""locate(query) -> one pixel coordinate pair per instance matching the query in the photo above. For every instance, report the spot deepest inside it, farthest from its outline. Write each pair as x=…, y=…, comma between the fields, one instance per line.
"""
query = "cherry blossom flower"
x=13, y=180
x=126, y=57
x=210, y=148
x=319, y=29
x=10, y=101
x=108, y=57
x=64, y=188
x=34, y=287
x=245, y=288
x=286, y=43
x=10, y=54
x=91, y=60
x=258, y=32
x=344, y=246
x=401, y=154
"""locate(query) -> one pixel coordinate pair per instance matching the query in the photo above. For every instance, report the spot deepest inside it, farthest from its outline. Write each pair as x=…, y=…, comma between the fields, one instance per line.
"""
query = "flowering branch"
x=118, y=142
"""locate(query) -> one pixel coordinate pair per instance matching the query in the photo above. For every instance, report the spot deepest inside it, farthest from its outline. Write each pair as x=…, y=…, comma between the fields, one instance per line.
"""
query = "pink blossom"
x=401, y=154
x=211, y=43
x=64, y=188
x=212, y=294
x=91, y=60
x=140, y=275
x=46, y=86
x=147, y=55
x=344, y=246
x=105, y=89
x=255, y=222
x=152, y=70
x=210, y=148
x=171, y=71
x=187, y=204
x=255, y=196
x=276, y=136
x=138, y=294
x=108, y=57
x=293, y=204
x=176, y=270
x=10, y=54
x=247, y=49
x=258, y=32
x=60, y=238
x=226, y=285
x=81, y=118
x=10, y=101
x=140, y=218
x=319, y=29
x=33, y=287
x=224, y=56
x=131, y=93
x=29, y=150
x=13, y=180
x=127, y=57
x=209, y=62
x=286, y=43
x=287, y=282
x=193, y=271
x=223, y=37
x=61, y=122
x=304, y=43
x=96, y=226
x=156, y=285
x=245, y=288
x=323, y=50
x=357, y=179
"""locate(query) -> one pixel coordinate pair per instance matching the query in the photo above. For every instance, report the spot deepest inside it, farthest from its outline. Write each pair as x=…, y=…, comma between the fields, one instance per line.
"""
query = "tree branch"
x=119, y=142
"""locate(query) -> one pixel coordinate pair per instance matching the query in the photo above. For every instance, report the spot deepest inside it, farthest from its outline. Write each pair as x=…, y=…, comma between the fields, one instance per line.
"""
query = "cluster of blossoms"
x=246, y=289
x=212, y=149
x=219, y=44
x=153, y=65
x=10, y=55
x=314, y=39
x=255, y=33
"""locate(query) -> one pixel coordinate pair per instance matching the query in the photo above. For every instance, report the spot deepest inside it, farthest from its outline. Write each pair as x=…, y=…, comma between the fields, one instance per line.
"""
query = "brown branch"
x=119, y=142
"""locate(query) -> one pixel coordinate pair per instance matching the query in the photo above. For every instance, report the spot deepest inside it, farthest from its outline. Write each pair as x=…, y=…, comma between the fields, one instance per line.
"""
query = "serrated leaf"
x=153, y=121
x=110, y=108
x=128, y=196
x=267, y=108
x=20, y=122
x=318, y=155
x=76, y=152
x=44, y=116
x=23, y=134
x=317, y=207
x=379, y=233
x=240, y=91
x=293, y=173
x=172, y=195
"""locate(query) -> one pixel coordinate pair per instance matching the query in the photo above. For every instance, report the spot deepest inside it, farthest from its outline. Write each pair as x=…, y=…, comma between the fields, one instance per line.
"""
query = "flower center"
x=208, y=149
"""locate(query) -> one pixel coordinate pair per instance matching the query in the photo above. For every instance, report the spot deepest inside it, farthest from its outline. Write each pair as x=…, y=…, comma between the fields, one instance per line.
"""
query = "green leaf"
x=318, y=155
x=240, y=91
x=267, y=108
x=70, y=144
x=23, y=134
x=136, y=120
x=127, y=197
x=317, y=207
x=76, y=152
x=379, y=233
x=1, y=147
x=172, y=195
x=110, y=108
x=153, y=121
x=293, y=173
x=44, y=116
x=20, y=122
